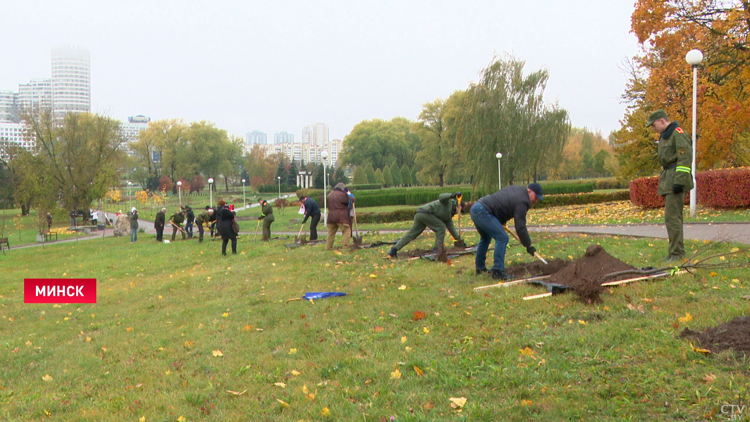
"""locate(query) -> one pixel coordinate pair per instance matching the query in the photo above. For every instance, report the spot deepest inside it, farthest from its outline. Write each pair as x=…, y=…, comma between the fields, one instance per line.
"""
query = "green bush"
x=371, y=186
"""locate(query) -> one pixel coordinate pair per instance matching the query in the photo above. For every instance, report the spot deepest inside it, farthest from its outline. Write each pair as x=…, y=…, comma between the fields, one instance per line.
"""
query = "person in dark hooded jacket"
x=224, y=219
x=312, y=210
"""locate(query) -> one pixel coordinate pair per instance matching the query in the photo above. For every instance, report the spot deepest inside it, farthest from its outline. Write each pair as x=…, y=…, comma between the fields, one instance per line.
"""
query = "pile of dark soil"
x=421, y=252
x=586, y=274
x=536, y=268
x=734, y=335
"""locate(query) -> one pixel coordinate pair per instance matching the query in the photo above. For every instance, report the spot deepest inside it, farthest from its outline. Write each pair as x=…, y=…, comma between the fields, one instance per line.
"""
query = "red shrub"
x=725, y=188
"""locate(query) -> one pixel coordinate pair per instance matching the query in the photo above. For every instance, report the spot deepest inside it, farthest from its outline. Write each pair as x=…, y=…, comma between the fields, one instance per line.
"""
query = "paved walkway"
x=724, y=232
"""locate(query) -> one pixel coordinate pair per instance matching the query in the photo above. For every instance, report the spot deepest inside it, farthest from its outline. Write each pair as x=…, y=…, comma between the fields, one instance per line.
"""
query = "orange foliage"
x=668, y=30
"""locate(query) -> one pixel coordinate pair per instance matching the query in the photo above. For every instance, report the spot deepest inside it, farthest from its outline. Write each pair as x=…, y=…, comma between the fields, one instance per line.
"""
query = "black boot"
x=500, y=275
x=393, y=252
x=481, y=271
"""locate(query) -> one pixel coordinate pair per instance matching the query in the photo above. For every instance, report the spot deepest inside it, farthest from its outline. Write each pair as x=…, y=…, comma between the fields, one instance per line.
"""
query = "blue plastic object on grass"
x=321, y=295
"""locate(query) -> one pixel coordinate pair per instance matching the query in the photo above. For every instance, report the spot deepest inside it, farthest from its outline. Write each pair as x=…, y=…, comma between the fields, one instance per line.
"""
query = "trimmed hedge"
x=373, y=186
x=275, y=188
x=725, y=188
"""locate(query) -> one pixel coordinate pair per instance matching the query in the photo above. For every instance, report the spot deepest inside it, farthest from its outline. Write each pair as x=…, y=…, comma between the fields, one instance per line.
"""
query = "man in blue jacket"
x=491, y=212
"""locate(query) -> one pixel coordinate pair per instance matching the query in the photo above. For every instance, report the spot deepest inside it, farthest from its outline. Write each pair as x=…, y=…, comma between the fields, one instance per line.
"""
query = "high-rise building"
x=7, y=106
x=35, y=95
x=71, y=80
x=315, y=134
x=131, y=129
x=256, y=137
x=283, y=138
x=12, y=133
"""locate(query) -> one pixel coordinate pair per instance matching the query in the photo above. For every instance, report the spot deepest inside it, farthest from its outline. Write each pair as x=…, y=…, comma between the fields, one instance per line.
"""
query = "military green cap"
x=658, y=114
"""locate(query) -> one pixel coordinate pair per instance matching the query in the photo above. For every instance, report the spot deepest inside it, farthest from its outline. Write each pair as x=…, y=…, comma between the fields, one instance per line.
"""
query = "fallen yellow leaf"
x=419, y=371
x=47, y=378
x=280, y=384
x=395, y=375
x=325, y=412
x=457, y=402
x=217, y=353
x=283, y=403
x=686, y=318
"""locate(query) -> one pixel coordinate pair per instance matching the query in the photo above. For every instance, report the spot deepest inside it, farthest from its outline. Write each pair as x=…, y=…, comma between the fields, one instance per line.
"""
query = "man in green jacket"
x=267, y=217
x=176, y=220
x=201, y=219
x=675, y=154
x=438, y=216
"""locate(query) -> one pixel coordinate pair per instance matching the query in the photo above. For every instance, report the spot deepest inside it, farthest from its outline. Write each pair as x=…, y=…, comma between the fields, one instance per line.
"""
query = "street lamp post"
x=499, y=155
x=179, y=191
x=279, y=177
x=694, y=58
x=210, y=191
x=244, y=204
x=324, y=156
x=130, y=194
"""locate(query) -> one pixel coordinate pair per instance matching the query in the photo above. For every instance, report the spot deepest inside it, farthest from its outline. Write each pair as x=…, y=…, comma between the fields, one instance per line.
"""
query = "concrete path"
x=722, y=232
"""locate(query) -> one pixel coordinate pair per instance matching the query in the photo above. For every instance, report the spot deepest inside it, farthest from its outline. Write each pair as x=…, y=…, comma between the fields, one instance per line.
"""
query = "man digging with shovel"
x=438, y=216
x=312, y=211
x=491, y=212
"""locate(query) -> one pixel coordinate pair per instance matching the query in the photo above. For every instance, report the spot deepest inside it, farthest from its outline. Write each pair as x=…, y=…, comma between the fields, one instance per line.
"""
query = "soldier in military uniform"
x=201, y=219
x=267, y=217
x=177, y=219
x=437, y=215
x=675, y=154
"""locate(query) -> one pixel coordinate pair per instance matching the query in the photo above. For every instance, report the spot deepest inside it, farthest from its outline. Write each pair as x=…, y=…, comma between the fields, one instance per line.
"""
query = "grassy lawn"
x=180, y=333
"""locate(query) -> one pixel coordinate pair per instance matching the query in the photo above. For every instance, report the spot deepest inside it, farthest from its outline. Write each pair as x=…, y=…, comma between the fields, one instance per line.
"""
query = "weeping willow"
x=505, y=112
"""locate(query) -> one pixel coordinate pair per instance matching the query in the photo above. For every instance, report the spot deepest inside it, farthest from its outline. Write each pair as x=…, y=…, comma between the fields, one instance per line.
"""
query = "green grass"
x=146, y=349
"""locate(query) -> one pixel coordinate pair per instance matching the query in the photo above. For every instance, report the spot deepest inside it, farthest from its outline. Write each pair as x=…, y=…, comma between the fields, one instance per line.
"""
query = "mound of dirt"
x=734, y=335
x=585, y=274
x=536, y=268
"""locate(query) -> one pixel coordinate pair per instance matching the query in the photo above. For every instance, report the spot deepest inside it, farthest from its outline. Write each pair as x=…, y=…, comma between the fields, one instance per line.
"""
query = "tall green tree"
x=360, y=176
x=406, y=175
x=396, y=175
x=370, y=172
x=379, y=177
x=504, y=112
x=379, y=142
x=387, y=177
x=72, y=163
x=438, y=156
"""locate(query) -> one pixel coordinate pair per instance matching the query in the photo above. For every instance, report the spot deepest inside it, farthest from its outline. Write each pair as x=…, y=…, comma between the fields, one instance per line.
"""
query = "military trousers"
x=673, y=218
x=422, y=221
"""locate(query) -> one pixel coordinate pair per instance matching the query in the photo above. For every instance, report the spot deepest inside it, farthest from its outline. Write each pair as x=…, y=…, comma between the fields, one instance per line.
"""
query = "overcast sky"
x=279, y=65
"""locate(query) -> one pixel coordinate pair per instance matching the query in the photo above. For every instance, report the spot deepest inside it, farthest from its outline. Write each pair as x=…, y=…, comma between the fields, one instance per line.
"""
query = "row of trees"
x=387, y=176
x=179, y=151
x=456, y=139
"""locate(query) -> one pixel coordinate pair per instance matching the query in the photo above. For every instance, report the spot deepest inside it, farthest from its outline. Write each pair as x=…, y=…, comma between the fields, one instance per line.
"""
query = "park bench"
x=4, y=244
x=48, y=235
x=84, y=229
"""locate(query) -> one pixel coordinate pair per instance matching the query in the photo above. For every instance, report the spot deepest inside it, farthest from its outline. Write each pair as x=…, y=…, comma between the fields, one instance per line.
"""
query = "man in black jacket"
x=159, y=224
x=491, y=212
x=312, y=210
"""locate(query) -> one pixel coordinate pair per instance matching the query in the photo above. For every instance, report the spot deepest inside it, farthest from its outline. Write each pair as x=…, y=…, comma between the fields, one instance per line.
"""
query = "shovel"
x=256, y=231
x=536, y=254
x=552, y=289
x=460, y=242
x=356, y=238
x=299, y=238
